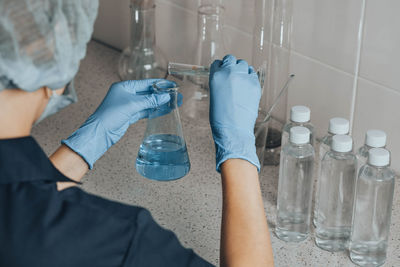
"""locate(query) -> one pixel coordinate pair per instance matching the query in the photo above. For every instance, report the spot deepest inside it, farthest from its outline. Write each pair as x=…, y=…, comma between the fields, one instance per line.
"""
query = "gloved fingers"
x=159, y=111
x=215, y=65
x=147, y=104
x=251, y=70
x=242, y=65
x=228, y=60
x=180, y=99
x=141, y=115
x=165, y=85
x=150, y=101
x=137, y=86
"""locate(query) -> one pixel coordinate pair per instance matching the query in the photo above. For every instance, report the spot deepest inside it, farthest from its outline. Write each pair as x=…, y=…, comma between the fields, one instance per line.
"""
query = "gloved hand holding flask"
x=125, y=103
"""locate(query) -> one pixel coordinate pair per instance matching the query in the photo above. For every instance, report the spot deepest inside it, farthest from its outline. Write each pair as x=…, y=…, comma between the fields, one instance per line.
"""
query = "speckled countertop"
x=191, y=206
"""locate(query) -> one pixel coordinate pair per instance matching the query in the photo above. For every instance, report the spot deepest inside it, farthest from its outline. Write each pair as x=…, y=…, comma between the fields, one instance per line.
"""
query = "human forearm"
x=245, y=239
x=70, y=164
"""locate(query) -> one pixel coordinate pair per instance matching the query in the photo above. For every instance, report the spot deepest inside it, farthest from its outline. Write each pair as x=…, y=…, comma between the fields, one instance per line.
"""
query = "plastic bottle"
x=336, y=126
x=336, y=195
x=299, y=116
x=295, y=186
x=373, y=139
x=372, y=210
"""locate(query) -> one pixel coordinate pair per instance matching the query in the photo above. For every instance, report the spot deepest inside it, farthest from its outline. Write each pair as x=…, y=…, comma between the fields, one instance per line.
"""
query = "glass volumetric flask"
x=210, y=42
x=142, y=59
x=163, y=154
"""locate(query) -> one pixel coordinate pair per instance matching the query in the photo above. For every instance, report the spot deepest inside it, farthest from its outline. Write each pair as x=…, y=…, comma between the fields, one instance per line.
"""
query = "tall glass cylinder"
x=210, y=41
x=142, y=59
x=271, y=50
x=261, y=54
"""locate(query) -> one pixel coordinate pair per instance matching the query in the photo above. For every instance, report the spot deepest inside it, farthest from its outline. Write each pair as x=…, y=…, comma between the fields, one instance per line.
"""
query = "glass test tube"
x=203, y=71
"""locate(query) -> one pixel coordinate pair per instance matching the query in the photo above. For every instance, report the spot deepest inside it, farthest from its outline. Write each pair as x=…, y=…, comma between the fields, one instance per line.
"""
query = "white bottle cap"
x=339, y=126
x=375, y=138
x=378, y=157
x=299, y=135
x=300, y=114
x=342, y=143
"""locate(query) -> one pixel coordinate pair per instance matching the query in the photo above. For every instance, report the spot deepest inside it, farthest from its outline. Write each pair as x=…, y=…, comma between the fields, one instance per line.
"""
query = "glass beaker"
x=210, y=40
x=163, y=154
x=142, y=59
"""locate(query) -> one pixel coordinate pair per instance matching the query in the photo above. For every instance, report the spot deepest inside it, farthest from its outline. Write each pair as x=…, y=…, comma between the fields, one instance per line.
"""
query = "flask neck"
x=143, y=30
x=210, y=22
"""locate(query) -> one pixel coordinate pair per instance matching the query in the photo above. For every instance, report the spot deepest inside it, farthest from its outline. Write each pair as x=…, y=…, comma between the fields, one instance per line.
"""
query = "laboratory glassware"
x=260, y=53
x=142, y=59
x=372, y=210
x=181, y=69
x=261, y=126
x=336, y=183
x=299, y=116
x=210, y=37
x=373, y=139
x=295, y=187
x=336, y=126
x=163, y=154
x=271, y=50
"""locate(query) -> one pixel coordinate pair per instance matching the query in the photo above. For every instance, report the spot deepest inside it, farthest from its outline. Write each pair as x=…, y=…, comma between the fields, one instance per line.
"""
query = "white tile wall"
x=378, y=107
x=380, y=61
x=324, y=54
x=327, y=31
x=329, y=88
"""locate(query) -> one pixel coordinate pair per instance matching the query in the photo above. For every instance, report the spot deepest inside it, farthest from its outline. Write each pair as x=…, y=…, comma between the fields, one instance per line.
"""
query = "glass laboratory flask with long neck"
x=142, y=59
x=260, y=54
x=210, y=40
x=163, y=155
x=271, y=50
x=278, y=71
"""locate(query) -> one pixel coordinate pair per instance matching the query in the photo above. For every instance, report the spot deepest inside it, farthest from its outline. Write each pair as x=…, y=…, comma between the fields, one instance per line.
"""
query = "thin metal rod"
x=276, y=101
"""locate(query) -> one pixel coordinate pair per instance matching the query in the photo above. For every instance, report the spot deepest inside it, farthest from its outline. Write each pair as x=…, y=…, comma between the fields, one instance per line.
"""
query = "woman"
x=45, y=220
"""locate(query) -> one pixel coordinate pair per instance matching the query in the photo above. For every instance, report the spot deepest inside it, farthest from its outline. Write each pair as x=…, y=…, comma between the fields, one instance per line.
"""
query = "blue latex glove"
x=125, y=103
x=235, y=94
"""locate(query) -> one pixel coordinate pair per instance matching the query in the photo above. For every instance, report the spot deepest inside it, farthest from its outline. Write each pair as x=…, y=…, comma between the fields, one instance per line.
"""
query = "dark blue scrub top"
x=40, y=226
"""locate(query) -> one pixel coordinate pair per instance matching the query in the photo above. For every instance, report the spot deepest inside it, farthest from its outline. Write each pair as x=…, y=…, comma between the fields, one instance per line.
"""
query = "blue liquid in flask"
x=163, y=157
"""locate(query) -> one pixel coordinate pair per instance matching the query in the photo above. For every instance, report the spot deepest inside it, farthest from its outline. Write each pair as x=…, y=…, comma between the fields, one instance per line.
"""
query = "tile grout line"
x=331, y=67
x=357, y=66
x=194, y=12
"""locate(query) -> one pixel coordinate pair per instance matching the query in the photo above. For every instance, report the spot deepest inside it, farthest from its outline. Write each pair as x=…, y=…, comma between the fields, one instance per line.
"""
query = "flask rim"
x=210, y=10
x=165, y=86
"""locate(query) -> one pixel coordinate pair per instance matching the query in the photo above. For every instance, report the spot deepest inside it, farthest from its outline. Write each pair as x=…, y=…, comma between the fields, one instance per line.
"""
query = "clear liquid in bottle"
x=372, y=210
x=295, y=187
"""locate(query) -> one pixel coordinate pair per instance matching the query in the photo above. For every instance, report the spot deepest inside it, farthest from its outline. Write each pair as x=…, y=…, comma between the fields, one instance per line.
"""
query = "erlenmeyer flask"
x=142, y=59
x=210, y=41
x=163, y=154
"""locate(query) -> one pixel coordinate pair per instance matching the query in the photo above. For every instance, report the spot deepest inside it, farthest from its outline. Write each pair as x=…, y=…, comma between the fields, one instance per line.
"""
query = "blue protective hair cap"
x=42, y=41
